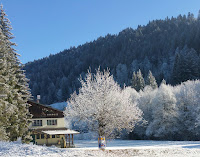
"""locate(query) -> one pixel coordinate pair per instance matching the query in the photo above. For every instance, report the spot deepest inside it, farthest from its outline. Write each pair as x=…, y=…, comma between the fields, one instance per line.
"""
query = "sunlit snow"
x=115, y=148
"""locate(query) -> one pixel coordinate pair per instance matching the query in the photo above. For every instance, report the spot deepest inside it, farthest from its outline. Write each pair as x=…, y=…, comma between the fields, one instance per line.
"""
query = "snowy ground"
x=115, y=148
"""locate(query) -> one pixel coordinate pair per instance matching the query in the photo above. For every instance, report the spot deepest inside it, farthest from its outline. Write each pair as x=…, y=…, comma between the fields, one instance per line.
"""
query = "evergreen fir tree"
x=134, y=81
x=163, y=82
x=140, y=81
x=18, y=90
x=151, y=81
x=185, y=65
x=176, y=69
x=4, y=113
x=198, y=17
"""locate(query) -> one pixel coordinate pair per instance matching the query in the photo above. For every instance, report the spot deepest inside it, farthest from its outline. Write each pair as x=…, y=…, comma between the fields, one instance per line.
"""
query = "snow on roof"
x=60, y=132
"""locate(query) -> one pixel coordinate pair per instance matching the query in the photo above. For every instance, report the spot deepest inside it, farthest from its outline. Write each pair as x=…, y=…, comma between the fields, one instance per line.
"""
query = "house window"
x=53, y=136
x=37, y=123
x=42, y=136
x=57, y=136
x=52, y=122
x=38, y=136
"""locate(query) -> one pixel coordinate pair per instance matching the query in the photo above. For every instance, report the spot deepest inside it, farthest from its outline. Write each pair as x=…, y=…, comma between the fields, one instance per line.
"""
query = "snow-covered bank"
x=115, y=148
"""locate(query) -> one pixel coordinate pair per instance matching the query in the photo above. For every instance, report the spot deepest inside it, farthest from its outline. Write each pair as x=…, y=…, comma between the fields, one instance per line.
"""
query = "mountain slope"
x=170, y=48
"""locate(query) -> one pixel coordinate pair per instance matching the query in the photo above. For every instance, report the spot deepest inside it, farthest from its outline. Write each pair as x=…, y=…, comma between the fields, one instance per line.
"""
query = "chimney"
x=38, y=98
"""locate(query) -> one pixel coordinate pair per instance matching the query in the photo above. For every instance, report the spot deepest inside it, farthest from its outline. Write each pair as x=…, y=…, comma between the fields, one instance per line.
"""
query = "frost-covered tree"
x=134, y=65
x=197, y=104
x=59, y=95
x=147, y=107
x=138, y=81
x=16, y=107
x=187, y=95
x=134, y=81
x=132, y=93
x=146, y=65
x=164, y=114
x=103, y=105
x=122, y=74
x=151, y=81
x=163, y=82
x=4, y=89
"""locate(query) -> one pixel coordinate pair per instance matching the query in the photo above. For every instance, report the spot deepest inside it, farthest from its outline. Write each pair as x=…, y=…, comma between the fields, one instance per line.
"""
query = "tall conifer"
x=18, y=90
x=151, y=81
x=4, y=90
x=138, y=81
x=134, y=81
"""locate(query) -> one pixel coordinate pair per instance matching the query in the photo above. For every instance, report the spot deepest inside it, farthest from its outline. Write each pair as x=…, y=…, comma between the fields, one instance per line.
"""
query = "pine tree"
x=151, y=81
x=163, y=82
x=138, y=81
x=18, y=90
x=185, y=65
x=176, y=68
x=122, y=74
x=4, y=113
x=134, y=81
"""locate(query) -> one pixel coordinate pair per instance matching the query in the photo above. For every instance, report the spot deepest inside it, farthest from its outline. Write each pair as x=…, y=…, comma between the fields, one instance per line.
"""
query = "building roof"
x=60, y=132
x=42, y=111
x=54, y=131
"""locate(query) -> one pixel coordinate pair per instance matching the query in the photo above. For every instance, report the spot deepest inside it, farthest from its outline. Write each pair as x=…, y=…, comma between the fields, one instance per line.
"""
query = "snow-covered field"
x=115, y=148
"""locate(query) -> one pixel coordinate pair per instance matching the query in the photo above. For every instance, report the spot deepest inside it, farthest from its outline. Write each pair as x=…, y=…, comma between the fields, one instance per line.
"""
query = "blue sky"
x=44, y=27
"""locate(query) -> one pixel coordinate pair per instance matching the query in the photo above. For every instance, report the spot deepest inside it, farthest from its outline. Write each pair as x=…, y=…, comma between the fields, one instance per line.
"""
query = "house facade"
x=48, y=127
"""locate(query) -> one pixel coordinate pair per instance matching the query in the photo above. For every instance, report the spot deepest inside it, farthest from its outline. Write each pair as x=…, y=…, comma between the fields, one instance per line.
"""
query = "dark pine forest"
x=170, y=48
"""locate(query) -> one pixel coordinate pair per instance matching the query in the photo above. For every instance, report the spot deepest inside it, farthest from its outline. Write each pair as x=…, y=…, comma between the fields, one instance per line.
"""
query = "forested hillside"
x=170, y=48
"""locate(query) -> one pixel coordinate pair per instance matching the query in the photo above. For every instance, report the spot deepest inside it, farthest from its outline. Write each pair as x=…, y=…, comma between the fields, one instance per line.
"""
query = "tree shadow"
x=192, y=146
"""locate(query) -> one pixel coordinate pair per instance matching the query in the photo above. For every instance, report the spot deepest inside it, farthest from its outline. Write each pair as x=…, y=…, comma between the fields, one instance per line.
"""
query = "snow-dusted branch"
x=103, y=105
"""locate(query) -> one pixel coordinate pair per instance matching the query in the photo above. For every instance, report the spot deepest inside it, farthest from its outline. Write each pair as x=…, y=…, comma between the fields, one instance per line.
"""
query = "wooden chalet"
x=48, y=126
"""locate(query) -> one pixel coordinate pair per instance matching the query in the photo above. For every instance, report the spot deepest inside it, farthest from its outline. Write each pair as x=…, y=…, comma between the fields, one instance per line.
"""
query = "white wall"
x=60, y=123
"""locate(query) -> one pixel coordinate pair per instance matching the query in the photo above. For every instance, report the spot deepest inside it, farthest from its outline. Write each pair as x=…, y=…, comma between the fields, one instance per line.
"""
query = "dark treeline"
x=170, y=48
